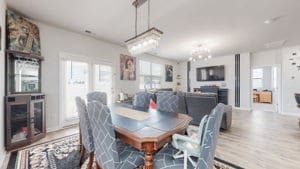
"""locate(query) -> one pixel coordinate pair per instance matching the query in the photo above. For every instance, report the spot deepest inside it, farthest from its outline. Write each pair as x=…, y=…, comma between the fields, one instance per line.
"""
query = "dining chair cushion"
x=109, y=153
x=191, y=142
x=210, y=138
x=129, y=157
x=141, y=100
x=167, y=102
x=97, y=96
x=85, y=127
x=164, y=158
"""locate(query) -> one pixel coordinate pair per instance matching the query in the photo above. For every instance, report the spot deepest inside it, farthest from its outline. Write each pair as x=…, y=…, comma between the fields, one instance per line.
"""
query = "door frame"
x=278, y=105
x=91, y=61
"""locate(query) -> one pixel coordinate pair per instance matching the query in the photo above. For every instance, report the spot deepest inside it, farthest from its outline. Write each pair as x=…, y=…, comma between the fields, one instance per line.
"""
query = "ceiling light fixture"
x=146, y=41
x=201, y=52
x=271, y=20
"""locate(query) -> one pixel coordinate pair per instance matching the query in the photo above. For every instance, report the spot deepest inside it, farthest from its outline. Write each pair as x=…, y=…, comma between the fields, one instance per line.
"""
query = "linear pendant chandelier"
x=146, y=41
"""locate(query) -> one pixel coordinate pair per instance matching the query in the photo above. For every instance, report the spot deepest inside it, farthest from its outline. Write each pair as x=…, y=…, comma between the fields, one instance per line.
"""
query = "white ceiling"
x=226, y=26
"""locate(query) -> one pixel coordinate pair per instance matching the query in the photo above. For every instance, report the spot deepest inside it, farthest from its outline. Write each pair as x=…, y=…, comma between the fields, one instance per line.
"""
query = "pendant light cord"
x=148, y=14
x=136, y=9
x=136, y=20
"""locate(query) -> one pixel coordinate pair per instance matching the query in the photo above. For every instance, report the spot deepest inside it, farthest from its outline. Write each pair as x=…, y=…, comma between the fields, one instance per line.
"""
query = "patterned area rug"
x=63, y=153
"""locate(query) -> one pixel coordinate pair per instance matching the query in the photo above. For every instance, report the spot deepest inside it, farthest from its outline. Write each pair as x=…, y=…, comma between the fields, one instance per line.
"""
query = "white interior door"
x=103, y=80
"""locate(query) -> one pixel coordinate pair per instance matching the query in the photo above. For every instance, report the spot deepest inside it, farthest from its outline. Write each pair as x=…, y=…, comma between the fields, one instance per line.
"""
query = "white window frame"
x=258, y=78
x=151, y=76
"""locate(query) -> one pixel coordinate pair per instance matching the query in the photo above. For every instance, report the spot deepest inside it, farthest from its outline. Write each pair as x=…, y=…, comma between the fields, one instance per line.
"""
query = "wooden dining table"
x=147, y=130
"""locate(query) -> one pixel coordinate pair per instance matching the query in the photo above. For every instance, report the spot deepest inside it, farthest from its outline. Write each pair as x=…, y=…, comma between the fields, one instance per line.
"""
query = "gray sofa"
x=199, y=105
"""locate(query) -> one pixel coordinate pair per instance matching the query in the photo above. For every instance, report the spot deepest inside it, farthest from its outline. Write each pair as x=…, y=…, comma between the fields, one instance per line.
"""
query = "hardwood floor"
x=261, y=140
x=256, y=140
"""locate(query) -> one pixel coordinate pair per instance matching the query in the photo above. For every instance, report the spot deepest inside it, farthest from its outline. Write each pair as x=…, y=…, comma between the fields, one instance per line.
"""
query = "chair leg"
x=192, y=161
x=80, y=139
x=82, y=155
x=179, y=154
x=185, y=159
x=217, y=167
x=97, y=165
x=91, y=160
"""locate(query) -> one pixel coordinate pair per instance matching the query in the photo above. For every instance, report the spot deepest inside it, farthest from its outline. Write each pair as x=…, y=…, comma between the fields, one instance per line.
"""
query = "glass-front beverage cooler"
x=24, y=73
x=24, y=103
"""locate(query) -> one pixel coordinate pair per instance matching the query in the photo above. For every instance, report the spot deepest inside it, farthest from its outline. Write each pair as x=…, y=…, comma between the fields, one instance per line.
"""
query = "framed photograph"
x=127, y=67
x=169, y=73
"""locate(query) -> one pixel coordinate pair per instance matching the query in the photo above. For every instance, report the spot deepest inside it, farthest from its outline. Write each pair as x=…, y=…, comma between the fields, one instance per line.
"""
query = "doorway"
x=78, y=76
x=266, y=88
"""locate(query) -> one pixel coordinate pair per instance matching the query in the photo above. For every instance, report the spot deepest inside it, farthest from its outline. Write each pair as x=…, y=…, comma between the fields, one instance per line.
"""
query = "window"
x=103, y=80
x=150, y=75
x=257, y=78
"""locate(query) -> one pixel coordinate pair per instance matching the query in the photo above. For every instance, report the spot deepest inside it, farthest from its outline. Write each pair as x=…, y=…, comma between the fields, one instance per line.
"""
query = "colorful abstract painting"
x=127, y=67
x=22, y=35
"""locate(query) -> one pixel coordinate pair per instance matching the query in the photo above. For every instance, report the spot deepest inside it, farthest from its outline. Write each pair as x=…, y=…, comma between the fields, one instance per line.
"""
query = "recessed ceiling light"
x=87, y=31
x=271, y=20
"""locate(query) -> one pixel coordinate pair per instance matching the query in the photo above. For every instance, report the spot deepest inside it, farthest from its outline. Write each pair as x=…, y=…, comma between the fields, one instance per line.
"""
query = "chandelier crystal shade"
x=146, y=41
x=201, y=52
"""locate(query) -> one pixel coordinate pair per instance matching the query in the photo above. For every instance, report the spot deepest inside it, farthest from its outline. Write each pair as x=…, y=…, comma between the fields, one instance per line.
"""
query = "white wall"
x=55, y=40
x=2, y=79
x=288, y=85
x=228, y=62
x=266, y=58
x=229, y=83
x=245, y=81
x=182, y=69
x=290, y=81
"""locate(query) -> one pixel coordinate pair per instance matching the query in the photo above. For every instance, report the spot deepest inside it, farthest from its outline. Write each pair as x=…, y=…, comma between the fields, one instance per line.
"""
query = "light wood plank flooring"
x=257, y=140
x=261, y=140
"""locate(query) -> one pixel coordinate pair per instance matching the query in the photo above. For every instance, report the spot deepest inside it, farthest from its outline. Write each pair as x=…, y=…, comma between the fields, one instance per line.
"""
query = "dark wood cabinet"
x=25, y=119
x=223, y=96
x=221, y=92
x=25, y=105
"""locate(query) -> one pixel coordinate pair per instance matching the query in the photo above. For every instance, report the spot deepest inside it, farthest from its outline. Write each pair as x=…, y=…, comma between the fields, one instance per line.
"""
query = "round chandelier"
x=201, y=52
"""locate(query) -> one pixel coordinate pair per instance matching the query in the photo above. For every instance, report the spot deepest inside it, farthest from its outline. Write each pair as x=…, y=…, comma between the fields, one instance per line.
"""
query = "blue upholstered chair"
x=164, y=158
x=87, y=144
x=109, y=153
x=97, y=96
x=167, y=102
x=141, y=100
x=188, y=145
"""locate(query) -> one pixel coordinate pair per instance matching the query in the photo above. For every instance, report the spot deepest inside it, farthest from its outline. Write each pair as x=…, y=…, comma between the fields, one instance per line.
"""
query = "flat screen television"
x=212, y=73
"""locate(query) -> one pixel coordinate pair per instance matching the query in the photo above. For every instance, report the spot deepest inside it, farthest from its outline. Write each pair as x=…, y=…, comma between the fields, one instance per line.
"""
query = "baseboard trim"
x=51, y=129
x=242, y=108
x=290, y=114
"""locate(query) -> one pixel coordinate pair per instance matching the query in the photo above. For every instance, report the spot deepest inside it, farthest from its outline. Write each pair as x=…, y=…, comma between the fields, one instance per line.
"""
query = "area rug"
x=63, y=153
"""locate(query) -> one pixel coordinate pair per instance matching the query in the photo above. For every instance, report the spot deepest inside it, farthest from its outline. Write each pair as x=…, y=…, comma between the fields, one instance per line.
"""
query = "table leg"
x=148, y=156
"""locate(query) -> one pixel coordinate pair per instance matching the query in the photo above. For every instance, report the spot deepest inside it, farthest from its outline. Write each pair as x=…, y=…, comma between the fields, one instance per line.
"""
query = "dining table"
x=147, y=130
